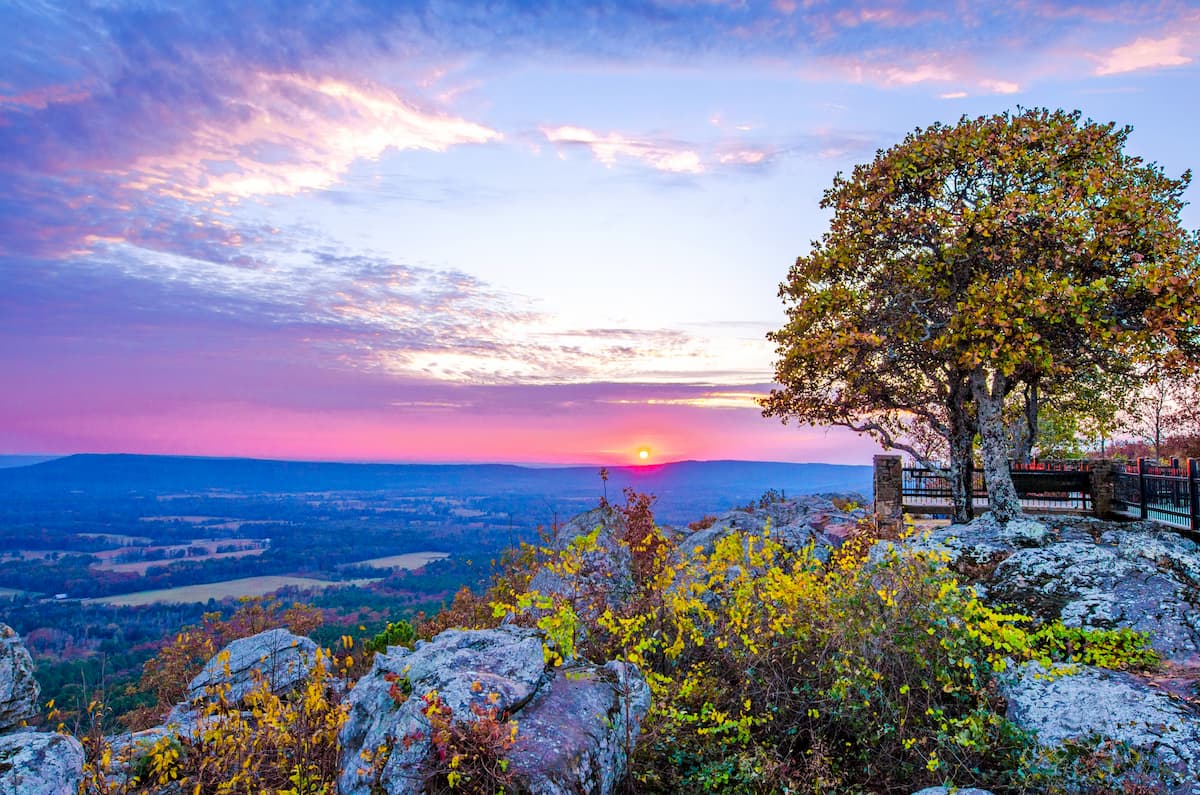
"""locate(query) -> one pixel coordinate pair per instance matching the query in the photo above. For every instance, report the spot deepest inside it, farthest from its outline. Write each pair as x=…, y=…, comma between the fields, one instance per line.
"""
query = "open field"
x=140, y=566
x=118, y=538
x=409, y=560
x=247, y=586
x=10, y=593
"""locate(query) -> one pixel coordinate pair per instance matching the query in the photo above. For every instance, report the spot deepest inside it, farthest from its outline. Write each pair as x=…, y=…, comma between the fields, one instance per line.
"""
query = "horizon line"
x=46, y=457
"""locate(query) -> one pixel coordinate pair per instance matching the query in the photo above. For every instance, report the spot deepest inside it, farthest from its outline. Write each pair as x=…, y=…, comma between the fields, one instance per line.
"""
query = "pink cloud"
x=596, y=434
x=42, y=98
x=295, y=133
x=1144, y=53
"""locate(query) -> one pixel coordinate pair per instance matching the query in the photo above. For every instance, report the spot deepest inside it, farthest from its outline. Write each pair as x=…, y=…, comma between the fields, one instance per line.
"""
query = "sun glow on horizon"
x=643, y=454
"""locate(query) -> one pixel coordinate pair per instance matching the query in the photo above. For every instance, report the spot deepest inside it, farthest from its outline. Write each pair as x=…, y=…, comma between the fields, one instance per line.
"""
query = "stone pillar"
x=889, y=483
x=1103, y=483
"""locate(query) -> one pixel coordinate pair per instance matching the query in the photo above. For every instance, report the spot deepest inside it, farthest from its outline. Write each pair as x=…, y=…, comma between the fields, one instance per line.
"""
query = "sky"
x=461, y=231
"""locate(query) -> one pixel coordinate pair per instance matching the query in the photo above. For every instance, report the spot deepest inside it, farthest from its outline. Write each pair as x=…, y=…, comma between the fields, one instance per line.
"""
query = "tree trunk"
x=962, y=453
x=1026, y=437
x=989, y=402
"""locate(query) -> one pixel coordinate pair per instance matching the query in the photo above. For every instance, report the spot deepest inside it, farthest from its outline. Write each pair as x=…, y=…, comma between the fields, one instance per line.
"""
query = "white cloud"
x=297, y=133
x=1144, y=53
x=923, y=73
x=1000, y=86
x=666, y=155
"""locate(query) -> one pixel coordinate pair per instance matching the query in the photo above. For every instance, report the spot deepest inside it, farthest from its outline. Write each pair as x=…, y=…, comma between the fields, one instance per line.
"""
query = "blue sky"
x=462, y=231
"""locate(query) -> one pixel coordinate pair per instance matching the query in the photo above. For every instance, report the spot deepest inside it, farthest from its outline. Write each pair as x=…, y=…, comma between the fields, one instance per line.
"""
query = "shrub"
x=397, y=633
x=167, y=674
x=468, y=755
x=267, y=743
x=1118, y=649
x=774, y=668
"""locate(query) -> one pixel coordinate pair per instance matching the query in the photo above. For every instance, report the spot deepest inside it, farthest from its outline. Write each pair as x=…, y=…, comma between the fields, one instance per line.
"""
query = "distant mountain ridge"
x=127, y=474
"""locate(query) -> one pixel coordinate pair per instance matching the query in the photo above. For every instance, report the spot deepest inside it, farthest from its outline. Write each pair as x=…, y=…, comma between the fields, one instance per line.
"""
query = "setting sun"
x=643, y=454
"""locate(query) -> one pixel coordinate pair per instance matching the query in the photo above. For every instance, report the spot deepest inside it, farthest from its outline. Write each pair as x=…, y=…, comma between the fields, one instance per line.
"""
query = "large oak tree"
x=1025, y=249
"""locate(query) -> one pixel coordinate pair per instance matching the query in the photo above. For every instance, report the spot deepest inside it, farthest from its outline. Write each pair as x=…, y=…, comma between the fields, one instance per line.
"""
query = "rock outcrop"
x=814, y=518
x=19, y=690
x=605, y=576
x=1081, y=703
x=31, y=763
x=575, y=725
x=284, y=660
x=1087, y=573
x=277, y=656
x=40, y=763
x=1102, y=575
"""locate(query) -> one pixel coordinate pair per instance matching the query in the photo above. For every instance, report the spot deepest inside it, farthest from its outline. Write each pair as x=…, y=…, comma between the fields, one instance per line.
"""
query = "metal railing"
x=1165, y=493
x=1041, y=485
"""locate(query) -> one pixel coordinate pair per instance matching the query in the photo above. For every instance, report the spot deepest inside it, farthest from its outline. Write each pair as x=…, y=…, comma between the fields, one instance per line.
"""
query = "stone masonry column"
x=1103, y=480
x=889, y=481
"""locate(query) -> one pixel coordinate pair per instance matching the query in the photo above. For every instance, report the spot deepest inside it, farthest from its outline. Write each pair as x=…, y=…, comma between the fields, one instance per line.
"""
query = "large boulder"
x=983, y=542
x=1086, y=704
x=282, y=659
x=19, y=691
x=575, y=725
x=40, y=763
x=577, y=733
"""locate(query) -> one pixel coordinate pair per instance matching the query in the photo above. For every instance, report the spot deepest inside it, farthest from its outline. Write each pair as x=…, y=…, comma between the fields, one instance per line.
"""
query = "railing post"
x=1193, y=469
x=889, y=488
x=1102, y=478
x=1143, y=492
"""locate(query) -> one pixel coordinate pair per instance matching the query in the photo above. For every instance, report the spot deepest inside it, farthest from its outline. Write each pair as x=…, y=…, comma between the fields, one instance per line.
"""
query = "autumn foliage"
x=975, y=260
x=166, y=675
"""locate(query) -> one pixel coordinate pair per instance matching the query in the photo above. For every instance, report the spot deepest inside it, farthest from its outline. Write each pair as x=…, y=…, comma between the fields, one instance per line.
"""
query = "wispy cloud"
x=291, y=133
x=704, y=399
x=673, y=156
x=664, y=155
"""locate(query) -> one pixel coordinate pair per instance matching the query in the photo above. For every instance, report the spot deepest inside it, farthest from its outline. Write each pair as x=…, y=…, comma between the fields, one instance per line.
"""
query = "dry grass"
x=247, y=586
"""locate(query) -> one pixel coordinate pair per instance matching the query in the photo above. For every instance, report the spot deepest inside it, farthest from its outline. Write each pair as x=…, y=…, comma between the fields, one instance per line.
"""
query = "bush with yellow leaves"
x=775, y=669
x=279, y=743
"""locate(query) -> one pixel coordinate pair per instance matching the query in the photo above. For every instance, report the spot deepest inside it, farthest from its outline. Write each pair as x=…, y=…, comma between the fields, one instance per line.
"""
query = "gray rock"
x=948, y=791
x=280, y=657
x=605, y=579
x=1094, y=703
x=1125, y=579
x=1083, y=571
x=577, y=734
x=19, y=691
x=794, y=523
x=575, y=724
x=507, y=661
x=40, y=763
x=984, y=541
